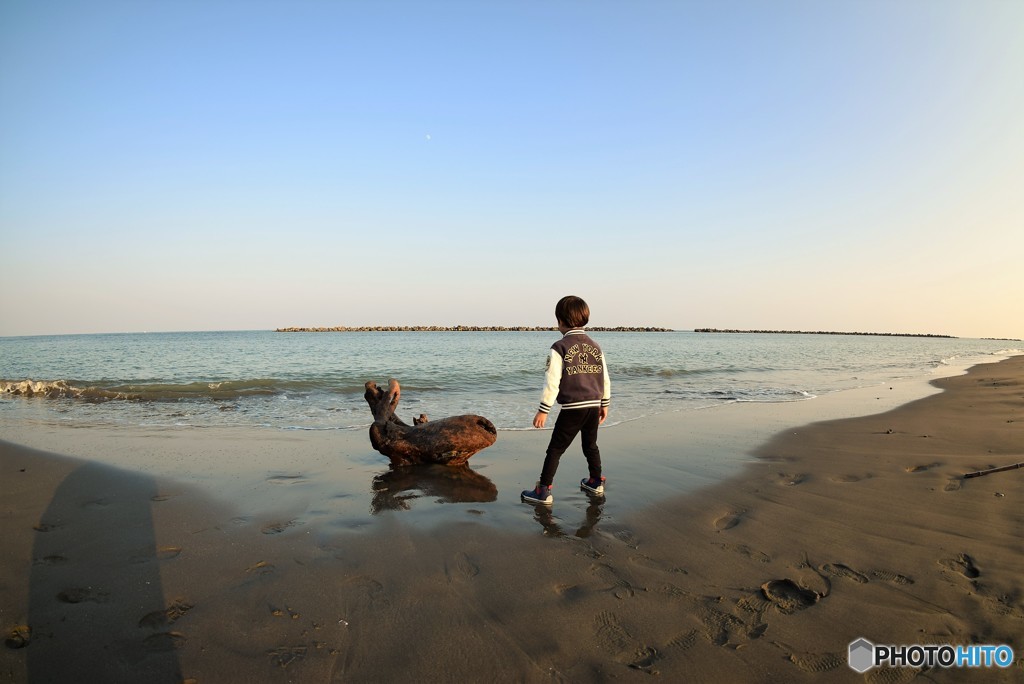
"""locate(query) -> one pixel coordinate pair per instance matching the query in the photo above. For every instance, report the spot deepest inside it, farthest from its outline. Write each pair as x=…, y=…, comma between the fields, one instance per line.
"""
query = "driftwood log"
x=449, y=441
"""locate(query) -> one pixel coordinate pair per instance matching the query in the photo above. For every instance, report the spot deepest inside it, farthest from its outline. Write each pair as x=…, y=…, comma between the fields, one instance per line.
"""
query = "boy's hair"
x=572, y=311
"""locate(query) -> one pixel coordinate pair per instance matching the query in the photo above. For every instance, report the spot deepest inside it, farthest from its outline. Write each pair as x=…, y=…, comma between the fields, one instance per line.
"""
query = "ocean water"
x=315, y=381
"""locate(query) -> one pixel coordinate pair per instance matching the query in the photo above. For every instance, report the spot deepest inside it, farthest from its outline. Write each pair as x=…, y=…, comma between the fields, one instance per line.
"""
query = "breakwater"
x=820, y=332
x=464, y=328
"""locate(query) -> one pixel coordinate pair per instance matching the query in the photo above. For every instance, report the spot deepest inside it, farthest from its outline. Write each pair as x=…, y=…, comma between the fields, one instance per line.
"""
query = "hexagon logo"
x=862, y=655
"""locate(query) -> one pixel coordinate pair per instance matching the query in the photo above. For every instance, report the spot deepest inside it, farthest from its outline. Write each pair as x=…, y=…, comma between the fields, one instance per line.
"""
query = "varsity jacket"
x=577, y=375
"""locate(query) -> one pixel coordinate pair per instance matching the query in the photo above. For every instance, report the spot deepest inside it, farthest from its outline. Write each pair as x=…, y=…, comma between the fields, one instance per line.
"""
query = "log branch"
x=1002, y=469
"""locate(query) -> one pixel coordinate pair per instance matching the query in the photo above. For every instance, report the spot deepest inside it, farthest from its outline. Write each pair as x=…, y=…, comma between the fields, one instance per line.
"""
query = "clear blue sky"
x=194, y=165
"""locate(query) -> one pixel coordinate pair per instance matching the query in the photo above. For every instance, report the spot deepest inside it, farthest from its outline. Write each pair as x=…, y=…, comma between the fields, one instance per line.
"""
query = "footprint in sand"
x=626, y=537
x=621, y=589
x=81, y=595
x=891, y=675
x=146, y=554
x=46, y=527
x=50, y=560
x=728, y=520
x=167, y=552
x=840, y=570
x=645, y=660
x=467, y=566
x=788, y=596
x=569, y=593
x=889, y=576
x=790, y=479
x=648, y=562
x=672, y=591
x=614, y=638
x=848, y=478
x=260, y=568
x=20, y=636
x=279, y=527
x=954, y=485
x=164, y=641
x=611, y=633
x=367, y=590
x=464, y=568
x=962, y=564
x=719, y=627
x=684, y=641
x=921, y=468
x=168, y=616
x=817, y=662
x=283, y=656
x=757, y=631
x=755, y=604
x=814, y=663
x=277, y=612
x=745, y=550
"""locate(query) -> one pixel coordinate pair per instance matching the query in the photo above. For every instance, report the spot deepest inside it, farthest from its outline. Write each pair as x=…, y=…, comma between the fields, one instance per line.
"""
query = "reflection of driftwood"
x=449, y=441
x=394, y=489
x=994, y=470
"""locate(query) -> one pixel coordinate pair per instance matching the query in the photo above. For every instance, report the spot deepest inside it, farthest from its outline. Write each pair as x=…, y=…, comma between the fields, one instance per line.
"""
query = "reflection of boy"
x=577, y=378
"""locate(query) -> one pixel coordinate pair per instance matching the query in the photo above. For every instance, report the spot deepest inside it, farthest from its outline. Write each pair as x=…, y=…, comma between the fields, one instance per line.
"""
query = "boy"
x=577, y=378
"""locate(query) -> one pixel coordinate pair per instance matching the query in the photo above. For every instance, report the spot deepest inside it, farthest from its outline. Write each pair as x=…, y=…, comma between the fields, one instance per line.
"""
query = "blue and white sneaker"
x=538, y=495
x=593, y=485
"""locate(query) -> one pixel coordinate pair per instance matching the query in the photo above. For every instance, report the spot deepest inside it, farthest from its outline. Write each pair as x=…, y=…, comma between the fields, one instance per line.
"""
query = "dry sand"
x=852, y=528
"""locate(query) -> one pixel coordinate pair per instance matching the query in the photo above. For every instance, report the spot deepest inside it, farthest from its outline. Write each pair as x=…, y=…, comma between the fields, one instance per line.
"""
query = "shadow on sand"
x=96, y=606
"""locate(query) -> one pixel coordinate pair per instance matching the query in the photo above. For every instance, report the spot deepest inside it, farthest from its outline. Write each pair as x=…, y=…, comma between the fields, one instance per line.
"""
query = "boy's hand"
x=603, y=414
x=540, y=419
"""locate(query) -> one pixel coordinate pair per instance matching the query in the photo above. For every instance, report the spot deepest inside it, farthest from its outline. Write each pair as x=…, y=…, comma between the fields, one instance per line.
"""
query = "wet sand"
x=316, y=571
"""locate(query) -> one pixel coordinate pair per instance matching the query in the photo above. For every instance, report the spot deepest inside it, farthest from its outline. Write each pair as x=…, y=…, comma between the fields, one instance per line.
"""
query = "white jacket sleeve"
x=606, y=400
x=552, y=379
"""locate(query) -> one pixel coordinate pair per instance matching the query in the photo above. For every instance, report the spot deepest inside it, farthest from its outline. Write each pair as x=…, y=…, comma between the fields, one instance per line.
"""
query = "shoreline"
x=763, y=576
x=234, y=462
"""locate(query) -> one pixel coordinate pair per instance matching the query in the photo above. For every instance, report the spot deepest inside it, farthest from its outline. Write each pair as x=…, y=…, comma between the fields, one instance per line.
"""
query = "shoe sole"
x=526, y=499
x=595, y=492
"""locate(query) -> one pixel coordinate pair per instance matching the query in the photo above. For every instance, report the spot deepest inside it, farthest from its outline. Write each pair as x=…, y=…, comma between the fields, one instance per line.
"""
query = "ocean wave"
x=776, y=395
x=956, y=359
x=669, y=372
x=223, y=390
x=55, y=389
x=751, y=395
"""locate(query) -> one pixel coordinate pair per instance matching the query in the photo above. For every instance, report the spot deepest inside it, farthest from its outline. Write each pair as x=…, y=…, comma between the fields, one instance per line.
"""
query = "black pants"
x=568, y=424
